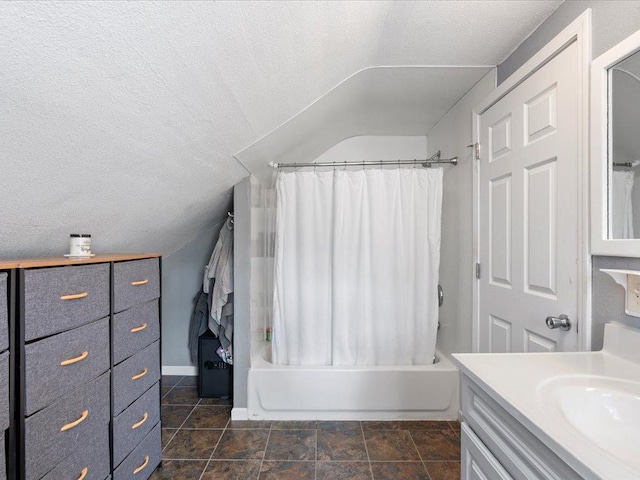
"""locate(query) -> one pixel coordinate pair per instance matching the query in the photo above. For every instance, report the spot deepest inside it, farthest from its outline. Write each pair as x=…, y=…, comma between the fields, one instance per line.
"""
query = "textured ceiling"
x=120, y=119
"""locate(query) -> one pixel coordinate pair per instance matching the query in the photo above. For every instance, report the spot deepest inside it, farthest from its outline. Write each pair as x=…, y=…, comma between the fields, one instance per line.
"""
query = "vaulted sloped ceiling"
x=120, y=119
x=374, y=101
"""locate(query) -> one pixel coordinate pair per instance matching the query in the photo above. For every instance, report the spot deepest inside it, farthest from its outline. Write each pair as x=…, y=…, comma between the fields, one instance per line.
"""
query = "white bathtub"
x=279, y=392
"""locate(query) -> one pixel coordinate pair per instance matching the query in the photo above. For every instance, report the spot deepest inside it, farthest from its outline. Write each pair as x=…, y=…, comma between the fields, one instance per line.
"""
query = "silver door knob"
x=562, y=322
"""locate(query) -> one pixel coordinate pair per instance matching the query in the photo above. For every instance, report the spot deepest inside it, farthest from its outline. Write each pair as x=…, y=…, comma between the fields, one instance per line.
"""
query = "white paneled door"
x=528, y=212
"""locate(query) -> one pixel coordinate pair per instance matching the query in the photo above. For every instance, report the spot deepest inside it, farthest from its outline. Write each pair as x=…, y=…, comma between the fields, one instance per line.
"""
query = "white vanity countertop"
x=519, y=383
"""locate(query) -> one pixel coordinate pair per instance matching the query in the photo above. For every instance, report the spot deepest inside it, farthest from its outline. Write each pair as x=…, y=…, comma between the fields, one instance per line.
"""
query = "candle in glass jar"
x=80, y=244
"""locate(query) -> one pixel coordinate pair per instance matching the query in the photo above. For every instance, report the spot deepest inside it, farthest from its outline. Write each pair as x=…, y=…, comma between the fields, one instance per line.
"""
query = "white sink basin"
x=604, y=410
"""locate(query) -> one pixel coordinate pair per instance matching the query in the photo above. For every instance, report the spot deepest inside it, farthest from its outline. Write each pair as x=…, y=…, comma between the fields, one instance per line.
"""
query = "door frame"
x=578, y=32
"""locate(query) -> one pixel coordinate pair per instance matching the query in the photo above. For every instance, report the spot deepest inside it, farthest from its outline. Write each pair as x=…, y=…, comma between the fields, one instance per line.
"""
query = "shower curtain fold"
x=622, y=204
x=356, y=267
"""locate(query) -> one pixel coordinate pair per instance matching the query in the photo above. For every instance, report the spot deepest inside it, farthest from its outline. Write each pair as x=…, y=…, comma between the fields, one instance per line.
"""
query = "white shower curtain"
x=356, y=267
x=622, y=204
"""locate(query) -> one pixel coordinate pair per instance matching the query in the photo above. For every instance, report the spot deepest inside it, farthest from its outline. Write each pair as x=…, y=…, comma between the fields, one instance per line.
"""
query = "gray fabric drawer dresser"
x=85, y=361
x=6, y=311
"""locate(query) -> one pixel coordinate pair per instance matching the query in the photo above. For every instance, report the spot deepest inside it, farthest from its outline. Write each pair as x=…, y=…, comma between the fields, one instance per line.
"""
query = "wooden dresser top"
x=62, y=261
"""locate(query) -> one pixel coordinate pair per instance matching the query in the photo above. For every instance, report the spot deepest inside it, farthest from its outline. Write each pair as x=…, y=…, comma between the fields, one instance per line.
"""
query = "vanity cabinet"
x=496, y=445
x=477, y=462
x=87, y=399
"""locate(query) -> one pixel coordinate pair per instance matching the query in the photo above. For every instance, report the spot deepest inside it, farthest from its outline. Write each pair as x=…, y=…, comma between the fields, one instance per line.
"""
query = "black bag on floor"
x=215, y=377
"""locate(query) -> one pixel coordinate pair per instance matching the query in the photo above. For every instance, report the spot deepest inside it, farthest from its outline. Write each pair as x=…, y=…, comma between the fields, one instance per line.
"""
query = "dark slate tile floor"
x=200, y=442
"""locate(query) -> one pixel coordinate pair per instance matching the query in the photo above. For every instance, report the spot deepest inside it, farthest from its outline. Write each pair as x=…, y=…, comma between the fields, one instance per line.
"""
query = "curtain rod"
x=434, y=159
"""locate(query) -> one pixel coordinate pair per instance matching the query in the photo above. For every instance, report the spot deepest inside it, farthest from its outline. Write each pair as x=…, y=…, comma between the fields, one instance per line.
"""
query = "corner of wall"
x=181, y=280
x=452, y=134
x=241, y=290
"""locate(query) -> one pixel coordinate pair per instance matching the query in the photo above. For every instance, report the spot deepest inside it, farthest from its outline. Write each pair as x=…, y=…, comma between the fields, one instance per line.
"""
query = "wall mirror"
x=615, y=150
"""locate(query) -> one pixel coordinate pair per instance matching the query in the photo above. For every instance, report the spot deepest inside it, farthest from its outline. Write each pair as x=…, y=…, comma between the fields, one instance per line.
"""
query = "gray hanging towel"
x=198, y=324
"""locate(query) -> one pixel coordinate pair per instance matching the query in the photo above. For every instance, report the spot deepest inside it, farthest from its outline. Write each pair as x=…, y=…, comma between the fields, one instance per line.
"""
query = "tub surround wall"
x=261, y=302
x=452, y=134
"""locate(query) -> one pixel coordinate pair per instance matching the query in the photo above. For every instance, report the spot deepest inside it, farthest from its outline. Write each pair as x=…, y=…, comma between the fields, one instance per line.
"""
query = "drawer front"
x=135, y=282
x=3, y=458
x=90, y=460
x=135, y=376
x=132, y=425
x=4, y=313
x=52, y=434
x=65, y=361
x=477, y=461
x=134, y=329
x=141, y=463
x=61, y=298
x=525, y=459
x=4, y=391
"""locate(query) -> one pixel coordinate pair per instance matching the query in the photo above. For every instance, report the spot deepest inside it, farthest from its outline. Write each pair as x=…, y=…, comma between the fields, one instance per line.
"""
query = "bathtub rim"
x=446, y=375
x=443, y=363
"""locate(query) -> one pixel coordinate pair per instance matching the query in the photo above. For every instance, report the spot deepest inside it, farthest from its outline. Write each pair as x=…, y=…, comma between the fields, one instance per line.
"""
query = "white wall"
x=181, y=280
x=376, y=147
x=612, y=21
x=380, y=101
x=241, y=290
x=451, y=135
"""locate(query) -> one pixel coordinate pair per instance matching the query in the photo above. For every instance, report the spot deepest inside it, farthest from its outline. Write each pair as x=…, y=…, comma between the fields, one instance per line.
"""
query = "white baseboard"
x=239, y=414
x=188, y=370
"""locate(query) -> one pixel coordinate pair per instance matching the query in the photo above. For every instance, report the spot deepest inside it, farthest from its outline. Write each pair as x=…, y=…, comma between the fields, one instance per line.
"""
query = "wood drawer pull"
x=83, y=473
x=137, y=424
x=75, y=423
x=144, y=464
x=74, y=296
x=139, y=329
x=71, y=361
x=140, y=282
x=141, y=374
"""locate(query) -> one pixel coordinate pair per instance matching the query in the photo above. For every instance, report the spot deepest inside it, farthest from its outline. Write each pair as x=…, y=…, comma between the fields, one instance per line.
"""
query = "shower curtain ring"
x=345, y=166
